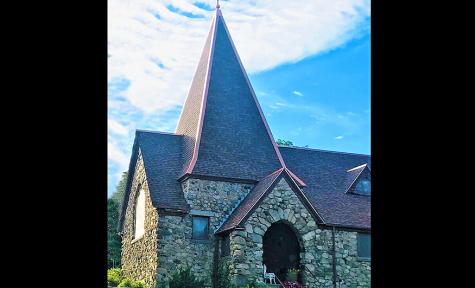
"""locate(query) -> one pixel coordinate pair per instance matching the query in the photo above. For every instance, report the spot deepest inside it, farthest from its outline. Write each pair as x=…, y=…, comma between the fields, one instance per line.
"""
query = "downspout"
x=334, y=257
x=216, y=259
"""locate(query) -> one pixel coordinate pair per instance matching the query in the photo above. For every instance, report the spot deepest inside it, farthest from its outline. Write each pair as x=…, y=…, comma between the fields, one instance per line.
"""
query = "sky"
x=309, y=63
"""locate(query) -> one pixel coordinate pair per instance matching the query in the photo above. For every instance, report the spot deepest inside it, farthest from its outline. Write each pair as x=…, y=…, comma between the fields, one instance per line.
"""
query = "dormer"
x=359, y=180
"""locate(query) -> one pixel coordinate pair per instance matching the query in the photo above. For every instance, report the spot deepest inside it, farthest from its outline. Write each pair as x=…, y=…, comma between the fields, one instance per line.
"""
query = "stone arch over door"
x=281, y=205
x=281, y=249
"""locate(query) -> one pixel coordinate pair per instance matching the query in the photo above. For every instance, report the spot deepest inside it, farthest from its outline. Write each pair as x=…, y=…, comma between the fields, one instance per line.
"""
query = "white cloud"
x=338, y=137
x=281, y=104
x=159, y=54
x=114, y=154
x=115, y=127
x=155, y=52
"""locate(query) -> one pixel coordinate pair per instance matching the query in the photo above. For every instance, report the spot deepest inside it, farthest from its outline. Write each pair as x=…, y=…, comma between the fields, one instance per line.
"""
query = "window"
x=200, y=228
x=364, y=246
x=139, y=214
x=363, y=187
x=225, y=246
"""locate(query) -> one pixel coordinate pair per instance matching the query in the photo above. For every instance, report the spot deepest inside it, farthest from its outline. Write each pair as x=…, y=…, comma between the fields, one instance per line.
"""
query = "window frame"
x=193, y=225
x=360, y=192
x=358, y=240
x=139, y=196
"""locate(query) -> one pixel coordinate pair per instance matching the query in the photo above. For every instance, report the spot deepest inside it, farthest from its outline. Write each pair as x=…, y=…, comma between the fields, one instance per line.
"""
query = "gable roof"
x=326, y=176
x=223, y=134
x=354, y=174
x=225, y=131
x=252, y=200
x=161, y=154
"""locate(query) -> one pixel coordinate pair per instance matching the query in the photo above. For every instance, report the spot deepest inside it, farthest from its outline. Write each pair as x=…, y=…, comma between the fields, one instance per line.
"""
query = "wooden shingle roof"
x=225, y=131
x=162, y=159
x=223, y=134
x=327, y=178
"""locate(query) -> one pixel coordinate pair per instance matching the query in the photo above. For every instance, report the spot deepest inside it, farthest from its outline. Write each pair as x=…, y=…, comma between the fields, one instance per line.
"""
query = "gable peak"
x=357, y=167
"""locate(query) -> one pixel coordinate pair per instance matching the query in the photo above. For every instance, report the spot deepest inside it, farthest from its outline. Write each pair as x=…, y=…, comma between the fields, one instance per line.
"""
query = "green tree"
x=284, y=143
x=114, y=241
x=287, y=143
x=118, y=195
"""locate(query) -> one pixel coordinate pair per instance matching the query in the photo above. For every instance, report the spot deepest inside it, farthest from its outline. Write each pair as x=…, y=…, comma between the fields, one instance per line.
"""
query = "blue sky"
x=308, y=62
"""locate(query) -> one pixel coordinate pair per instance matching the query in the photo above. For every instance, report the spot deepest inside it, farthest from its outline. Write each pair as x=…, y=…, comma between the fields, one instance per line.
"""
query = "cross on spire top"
x=217, y=4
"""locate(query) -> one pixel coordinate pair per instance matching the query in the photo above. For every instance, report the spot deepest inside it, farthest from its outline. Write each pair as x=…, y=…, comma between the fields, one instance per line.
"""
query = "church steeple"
x=225, y=131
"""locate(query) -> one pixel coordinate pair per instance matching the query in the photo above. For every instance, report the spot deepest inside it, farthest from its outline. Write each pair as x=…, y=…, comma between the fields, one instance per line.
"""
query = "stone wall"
x=350, y=271
x=209, y=198
x=315, y=244
x=167, y=243
x=246, y=246
x=139, y=256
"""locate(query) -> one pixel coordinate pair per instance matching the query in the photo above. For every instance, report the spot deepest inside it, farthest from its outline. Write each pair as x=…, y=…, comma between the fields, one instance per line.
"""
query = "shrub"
x=224, y=275
x=256, y=284
x=139, y=284
x=114, y=277
x=126, y=283
x=185, y=278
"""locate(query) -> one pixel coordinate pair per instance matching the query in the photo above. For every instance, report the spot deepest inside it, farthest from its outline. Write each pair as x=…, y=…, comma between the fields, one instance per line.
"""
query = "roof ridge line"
x=279, y=156
x=295, y=176
x=277, y=171
x=156, y=132
x=357, y=167
x=205, y=95
x=322, y=150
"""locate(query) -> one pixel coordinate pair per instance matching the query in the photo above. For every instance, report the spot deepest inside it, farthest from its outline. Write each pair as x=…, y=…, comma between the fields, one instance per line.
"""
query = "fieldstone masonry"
x=139, y=256
x=315, y=244
x=176, y=246
x=281, y=204
x=167, y=243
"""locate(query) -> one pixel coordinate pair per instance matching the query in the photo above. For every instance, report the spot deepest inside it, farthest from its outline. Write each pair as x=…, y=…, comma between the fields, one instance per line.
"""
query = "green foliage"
x=284, y=143
x=185, y=278
x=118, y=195
x=114, y=242
x=139, y=284
x=114, y=245
x=224, y=275
x=126, y=283
x=114, y=277
x=256, y=284
x=293, y=274
x=287, y=143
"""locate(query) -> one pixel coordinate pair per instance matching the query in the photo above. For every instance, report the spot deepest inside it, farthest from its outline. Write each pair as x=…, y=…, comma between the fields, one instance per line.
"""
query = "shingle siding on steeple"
x=190, y=115
x=234, y=141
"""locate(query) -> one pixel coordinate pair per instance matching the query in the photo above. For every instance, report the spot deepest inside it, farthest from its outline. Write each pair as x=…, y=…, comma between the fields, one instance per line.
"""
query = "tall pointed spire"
x=225, y=131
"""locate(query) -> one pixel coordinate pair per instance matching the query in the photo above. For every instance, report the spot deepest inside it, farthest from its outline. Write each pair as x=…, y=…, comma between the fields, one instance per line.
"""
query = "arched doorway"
x=281, y=250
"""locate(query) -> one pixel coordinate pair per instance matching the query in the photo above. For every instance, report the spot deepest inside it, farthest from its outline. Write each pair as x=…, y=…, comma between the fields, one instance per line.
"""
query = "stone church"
x=220, y=189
